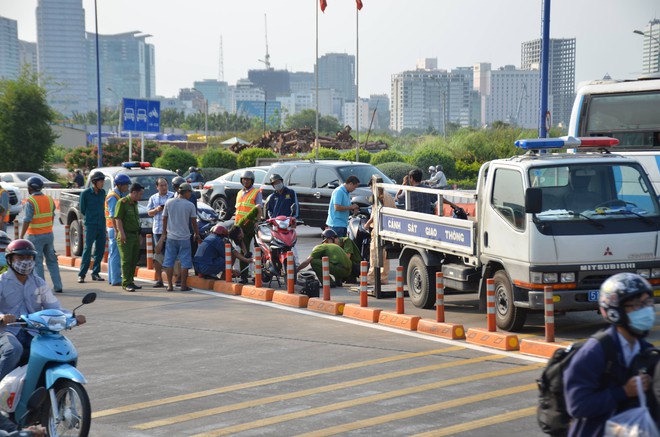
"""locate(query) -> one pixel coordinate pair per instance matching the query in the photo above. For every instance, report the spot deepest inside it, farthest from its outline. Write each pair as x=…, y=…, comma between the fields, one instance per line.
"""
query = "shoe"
x=58, y=291
x=159, y=284
x=185, y=288
x=81, y=279
x=129, y=288
x=97, y=278
x=136, y=287
x=116, y=285
x=177, y=283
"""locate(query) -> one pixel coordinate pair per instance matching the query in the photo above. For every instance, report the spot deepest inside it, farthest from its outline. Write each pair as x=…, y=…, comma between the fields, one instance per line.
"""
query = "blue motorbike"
x=52, y=365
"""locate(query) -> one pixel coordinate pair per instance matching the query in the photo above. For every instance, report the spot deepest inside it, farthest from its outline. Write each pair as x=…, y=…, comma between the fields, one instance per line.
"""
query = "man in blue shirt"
x=340, y=206
x=92, y=207
x=155, y=208
x=283, y=201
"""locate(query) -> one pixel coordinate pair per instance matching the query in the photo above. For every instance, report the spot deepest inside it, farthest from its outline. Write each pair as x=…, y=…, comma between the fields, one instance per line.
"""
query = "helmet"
x=247, y=174
x=219, y=230
x=4, y=239
x=35, y=183
x=439, y=167
x=122, y=179
x=275, y=177
x=618, y=289
x=21, y=247
x=431, y=169
x=192, y=169
x=96, y=176
x=177, y=181
x=329, y=233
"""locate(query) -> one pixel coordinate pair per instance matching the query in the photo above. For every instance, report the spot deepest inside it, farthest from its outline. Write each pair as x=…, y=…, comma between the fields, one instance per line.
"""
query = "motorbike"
x=52, y=365
x=206, y=219
x=276, y=237
x=358, y=233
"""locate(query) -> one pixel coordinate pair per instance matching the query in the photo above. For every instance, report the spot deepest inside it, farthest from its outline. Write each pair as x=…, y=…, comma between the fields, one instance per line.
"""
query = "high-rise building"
x=561, y=74
x=216, y=93
x=27, y=54
x=275, y=83
x=9, y=58
x=513, y=96
x=126, y=68
x=61, y=46
x=337, y=72
x=245, y=91
x=651, y=52
x=302, y=82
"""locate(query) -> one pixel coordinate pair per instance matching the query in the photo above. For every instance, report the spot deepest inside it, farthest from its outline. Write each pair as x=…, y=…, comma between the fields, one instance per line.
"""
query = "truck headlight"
x=655, y=273
x=568, y=277
x=550, y=278
x=644, y=273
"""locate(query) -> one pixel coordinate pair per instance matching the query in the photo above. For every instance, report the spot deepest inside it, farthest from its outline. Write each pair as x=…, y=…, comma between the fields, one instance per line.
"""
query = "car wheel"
x=76, y=238
x=221, y=206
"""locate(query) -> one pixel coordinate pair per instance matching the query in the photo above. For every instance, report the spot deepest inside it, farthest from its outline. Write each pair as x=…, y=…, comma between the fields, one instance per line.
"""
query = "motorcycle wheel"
x=73, y=406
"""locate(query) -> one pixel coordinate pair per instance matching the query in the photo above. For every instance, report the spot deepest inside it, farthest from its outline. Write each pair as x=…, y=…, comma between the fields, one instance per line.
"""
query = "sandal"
x=169, y=289
x=185, y=289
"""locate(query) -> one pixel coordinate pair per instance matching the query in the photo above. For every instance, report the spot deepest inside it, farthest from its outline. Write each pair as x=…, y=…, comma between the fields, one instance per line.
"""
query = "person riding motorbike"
x=283, y=201
x=21, y=292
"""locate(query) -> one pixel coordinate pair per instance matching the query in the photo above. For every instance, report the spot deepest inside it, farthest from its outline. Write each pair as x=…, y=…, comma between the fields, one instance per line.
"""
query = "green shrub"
x=466, y=170
x=174, y=158
x=218, y=158
x=395, y=170
x=349, y=155
x=325, y=153
x=464, y=184
x=386, y=156
x=211, y=173
x=248, y=157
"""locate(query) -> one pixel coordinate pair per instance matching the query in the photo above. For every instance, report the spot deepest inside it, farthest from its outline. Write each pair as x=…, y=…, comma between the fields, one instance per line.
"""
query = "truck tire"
x=76, y=238
x=509, y=317
x=420, y=281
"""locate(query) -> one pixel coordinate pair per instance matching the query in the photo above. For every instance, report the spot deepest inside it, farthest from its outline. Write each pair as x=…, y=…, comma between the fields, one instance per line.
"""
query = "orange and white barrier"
x=439, y=298
x=549, y=314
x=150, y=252
x=325, y=270
x=67, y=240
x=399, y=290
x=490, y=305
x=16, y=231
x=490, y=336
x=257, y=267
x=228, y=263
x=364, y=268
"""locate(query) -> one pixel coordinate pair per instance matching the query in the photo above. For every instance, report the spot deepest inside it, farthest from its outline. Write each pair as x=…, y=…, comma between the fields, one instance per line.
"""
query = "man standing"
x=4, y=208
x=249, y=208
x=340, y=206
x=122, y=183
x=38, y=223
x=155, y=208
x=127, y=219
x=91, y=207
x=179, y=213
x=340, y=262
x=283, y=201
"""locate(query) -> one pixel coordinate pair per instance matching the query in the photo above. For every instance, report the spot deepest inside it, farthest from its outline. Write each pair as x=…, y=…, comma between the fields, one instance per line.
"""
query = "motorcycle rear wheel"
x=74, y=408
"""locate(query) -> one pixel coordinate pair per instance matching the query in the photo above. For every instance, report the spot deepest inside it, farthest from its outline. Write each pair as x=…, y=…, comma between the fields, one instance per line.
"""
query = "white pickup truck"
x=565, y=220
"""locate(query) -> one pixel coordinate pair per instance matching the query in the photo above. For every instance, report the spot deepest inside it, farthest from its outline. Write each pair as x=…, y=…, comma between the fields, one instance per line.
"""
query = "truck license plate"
x=593, y=296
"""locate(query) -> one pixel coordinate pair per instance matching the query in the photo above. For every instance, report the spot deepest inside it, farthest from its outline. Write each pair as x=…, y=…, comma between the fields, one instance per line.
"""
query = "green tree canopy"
x=248, y=157
x=307, y=118
x=25, y=133
x=218, y=158
x=174, y=158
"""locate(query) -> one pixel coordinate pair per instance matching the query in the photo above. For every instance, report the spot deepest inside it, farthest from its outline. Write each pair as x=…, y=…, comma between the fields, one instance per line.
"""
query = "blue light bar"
x=540, y=143
x=136, y=164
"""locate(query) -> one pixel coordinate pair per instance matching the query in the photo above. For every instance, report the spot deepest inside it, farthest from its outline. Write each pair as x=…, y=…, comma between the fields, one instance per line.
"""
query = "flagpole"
x=316, y=137
x=357, y=86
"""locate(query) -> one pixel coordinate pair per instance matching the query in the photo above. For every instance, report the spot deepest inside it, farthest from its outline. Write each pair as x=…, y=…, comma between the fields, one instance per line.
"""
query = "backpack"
x=551, y=412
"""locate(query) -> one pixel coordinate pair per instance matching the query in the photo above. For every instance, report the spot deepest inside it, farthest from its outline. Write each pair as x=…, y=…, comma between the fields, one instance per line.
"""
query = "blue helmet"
x=35, y=183
x=122, y=179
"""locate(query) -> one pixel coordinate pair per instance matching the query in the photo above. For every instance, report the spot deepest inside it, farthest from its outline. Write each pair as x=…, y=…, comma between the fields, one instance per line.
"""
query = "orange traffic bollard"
x=228, y=263
x=490, y=305
x=67, y=241
x=399, y=290
x=150, y=252
x=364, y=268
x=549, y=315
x=325, y=268
x=439, y=298
x=16, y=231
x=290, y=273
x=257, y=267
x=106, y=250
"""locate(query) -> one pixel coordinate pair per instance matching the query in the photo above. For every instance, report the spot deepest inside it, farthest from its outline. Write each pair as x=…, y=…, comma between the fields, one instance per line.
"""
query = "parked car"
x=15, y=200
x=314, y=182
x=145, y=175
x=220, y=193
x=19, y=179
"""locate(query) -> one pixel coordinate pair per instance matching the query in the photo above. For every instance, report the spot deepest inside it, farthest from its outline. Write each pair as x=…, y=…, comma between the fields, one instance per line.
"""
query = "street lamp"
x=639, y=32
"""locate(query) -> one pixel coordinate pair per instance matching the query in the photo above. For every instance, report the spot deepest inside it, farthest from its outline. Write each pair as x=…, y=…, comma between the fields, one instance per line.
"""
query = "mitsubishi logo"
x=608, y=252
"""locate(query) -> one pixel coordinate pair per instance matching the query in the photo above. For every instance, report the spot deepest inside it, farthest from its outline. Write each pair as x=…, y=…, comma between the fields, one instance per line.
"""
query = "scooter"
x=276, y=237
x=51, y=364
x=358, y=233
x=206, y=219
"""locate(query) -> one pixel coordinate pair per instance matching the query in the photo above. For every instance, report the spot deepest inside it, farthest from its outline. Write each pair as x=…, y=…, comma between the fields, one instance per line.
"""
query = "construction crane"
x=266, y=60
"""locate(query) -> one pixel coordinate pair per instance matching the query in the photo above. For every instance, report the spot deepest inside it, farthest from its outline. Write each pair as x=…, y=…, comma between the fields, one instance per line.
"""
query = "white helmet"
x=431, y=169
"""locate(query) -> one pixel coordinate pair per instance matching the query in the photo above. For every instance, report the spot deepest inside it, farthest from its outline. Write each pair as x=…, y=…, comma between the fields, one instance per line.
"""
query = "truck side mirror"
x=533, y=200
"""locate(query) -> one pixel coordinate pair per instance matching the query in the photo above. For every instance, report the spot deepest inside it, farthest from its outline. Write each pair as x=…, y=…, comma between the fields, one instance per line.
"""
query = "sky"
x=393, y=34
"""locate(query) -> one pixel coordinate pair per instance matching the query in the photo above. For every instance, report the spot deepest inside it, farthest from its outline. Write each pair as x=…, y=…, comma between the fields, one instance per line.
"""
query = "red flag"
x=359, y=4
x=324, y=5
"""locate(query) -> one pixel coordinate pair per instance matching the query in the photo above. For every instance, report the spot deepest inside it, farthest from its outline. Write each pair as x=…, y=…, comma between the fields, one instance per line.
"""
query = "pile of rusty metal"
x=294, y=141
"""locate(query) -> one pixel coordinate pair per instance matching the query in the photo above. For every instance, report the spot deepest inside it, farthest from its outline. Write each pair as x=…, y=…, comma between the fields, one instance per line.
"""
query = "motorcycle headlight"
x=146, y=222
x=55, y=323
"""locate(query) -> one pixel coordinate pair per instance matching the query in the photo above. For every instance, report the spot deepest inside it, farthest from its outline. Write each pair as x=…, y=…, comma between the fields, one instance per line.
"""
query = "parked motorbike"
x=51, y=364
x=206, y=219
x=358, y=233
x=276, y=237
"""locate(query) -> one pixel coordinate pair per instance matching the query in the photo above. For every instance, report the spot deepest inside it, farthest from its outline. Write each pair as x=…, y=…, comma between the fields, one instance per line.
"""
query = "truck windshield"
x=600, y=192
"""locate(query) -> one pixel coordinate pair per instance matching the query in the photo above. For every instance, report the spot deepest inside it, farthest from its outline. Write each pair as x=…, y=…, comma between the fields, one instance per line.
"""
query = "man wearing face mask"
x=21, y=292
x=283, y=201
x=600, y=381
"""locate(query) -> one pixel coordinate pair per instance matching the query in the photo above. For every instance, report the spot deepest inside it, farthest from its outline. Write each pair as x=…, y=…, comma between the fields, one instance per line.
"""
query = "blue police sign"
x=141, y=115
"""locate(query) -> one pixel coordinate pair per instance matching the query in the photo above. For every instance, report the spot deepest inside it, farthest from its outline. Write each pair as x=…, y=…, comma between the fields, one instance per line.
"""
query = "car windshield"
x=363, y=173
x=587, y=192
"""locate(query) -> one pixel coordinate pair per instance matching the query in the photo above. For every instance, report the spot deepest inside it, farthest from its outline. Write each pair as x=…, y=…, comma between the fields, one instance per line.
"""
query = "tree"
x=174, y=158
x=307, y=118
x=248, y=157
x=25, y=133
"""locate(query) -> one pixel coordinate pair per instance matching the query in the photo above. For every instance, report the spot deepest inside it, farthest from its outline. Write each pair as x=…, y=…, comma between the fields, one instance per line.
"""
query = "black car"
x=220, y=193
x=314, y=182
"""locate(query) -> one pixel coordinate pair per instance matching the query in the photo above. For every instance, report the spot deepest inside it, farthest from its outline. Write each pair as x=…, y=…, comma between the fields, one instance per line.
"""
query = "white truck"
x=565, y=220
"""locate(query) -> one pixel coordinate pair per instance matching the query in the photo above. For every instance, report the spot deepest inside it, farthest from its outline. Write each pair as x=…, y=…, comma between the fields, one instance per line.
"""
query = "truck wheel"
x=221, y=206
x=509, y=317
x=419, y=283
x=76, y=238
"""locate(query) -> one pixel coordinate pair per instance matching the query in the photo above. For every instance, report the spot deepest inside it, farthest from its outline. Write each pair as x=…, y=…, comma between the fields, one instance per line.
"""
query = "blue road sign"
x=141, y=115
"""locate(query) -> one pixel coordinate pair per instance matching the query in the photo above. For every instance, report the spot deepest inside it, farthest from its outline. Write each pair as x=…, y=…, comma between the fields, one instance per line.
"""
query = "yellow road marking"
x=480, y=423
x=277, y=379
x=309, y=392
x=388, y=395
